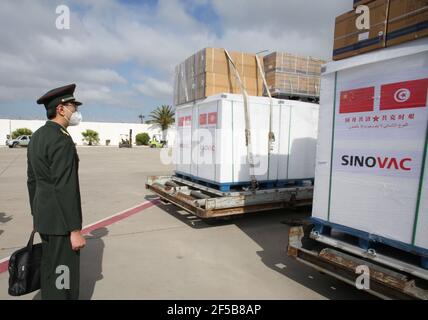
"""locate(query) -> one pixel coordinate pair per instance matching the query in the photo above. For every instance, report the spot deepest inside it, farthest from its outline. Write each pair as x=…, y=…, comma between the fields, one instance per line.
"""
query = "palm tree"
x=163, y=116
x=91, y=137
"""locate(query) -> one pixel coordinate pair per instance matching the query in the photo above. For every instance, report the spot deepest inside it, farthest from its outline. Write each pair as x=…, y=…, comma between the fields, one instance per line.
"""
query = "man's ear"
x=60, y=109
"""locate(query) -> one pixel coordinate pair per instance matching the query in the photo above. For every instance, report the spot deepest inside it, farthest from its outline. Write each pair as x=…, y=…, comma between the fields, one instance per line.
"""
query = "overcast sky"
x=122, y=53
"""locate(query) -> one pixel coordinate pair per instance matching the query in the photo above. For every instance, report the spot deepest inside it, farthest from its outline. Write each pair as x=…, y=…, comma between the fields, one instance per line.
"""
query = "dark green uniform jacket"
x=53, y=182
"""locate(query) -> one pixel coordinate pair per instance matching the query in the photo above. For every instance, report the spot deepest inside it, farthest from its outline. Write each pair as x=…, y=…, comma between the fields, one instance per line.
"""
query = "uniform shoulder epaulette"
x=65, y=132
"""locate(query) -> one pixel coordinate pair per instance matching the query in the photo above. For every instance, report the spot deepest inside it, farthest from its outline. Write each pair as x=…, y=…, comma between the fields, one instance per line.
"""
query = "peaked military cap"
x=57, y=96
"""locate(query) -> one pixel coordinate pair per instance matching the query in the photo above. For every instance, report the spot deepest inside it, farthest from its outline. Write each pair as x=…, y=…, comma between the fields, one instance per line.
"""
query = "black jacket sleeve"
x=64, y=172
x=31, y=183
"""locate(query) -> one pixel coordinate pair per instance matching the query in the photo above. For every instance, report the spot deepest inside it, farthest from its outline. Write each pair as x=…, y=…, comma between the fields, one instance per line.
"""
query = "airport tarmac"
x=151, y=250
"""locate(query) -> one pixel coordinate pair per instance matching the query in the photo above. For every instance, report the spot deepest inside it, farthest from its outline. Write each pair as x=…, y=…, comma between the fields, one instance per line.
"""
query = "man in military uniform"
x=53, y=187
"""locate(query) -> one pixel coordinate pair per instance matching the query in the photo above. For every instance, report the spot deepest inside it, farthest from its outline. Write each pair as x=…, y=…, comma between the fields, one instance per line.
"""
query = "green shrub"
x=142, y=139
x=21, y=132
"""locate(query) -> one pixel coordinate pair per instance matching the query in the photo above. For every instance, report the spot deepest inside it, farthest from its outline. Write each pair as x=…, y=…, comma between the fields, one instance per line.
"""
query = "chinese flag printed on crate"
x=202, y=119
x=180, y=121
x=400, y=95
x=357, y=100
x=185, y=121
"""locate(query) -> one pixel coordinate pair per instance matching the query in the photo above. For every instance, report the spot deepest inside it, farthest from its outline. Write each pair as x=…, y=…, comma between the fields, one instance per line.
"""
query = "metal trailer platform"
x=206, y=202
x=391, y=277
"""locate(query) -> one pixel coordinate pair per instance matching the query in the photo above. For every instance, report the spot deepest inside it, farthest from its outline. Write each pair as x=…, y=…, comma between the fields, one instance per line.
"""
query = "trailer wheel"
x=306, y=240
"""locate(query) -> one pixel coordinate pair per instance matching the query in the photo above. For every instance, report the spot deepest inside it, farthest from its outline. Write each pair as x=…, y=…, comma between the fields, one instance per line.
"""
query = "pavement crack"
x=136, y=232
x=9, y=164
x=111, y=235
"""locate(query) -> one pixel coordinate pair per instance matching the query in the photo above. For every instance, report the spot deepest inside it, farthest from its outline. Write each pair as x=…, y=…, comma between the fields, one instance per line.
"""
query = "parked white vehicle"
x=21, y=141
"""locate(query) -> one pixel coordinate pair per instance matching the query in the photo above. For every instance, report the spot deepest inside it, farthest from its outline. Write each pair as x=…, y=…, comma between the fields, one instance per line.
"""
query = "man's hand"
x=77, y=240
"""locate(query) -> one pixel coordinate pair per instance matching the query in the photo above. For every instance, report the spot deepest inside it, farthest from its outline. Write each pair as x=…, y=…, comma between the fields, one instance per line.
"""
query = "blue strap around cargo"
x=332, y=146
x=359, y=45
x=289, y=140
x=233, y=154
x=408, y=30
x=390, y=36
x=421, y=184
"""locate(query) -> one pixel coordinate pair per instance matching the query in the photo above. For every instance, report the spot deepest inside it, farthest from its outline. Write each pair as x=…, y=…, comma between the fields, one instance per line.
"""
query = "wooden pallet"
x=374, y=242
x=262, y=185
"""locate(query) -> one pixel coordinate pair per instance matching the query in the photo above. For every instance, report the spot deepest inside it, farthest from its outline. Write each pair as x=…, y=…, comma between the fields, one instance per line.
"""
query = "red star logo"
x=375, y=119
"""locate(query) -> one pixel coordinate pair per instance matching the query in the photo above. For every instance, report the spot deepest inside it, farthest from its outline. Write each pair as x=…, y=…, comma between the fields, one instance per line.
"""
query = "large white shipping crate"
x=210, y=143
x=371, y=166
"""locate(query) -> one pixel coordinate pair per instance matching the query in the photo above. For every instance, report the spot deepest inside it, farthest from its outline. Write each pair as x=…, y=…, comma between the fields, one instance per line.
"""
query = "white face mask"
x=75, y=118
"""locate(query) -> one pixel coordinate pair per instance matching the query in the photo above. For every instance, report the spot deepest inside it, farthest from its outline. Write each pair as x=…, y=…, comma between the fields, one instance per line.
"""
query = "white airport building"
x=106, y=130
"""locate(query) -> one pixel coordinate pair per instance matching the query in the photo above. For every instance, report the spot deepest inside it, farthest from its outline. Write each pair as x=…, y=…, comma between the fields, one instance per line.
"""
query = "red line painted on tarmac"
x=101, y=224
x=4, y=264
x=119, y=216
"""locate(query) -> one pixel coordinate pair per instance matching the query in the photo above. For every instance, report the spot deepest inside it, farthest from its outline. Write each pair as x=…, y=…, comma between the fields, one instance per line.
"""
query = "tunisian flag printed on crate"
x=403, y=95
x=357, y=100
x=212, y=118
x=187, y=121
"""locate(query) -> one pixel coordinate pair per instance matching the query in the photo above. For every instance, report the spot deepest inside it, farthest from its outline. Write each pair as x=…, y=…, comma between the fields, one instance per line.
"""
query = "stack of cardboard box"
x=360, y=2
x=391, y=22
x=291, y=75
x=208, y=72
